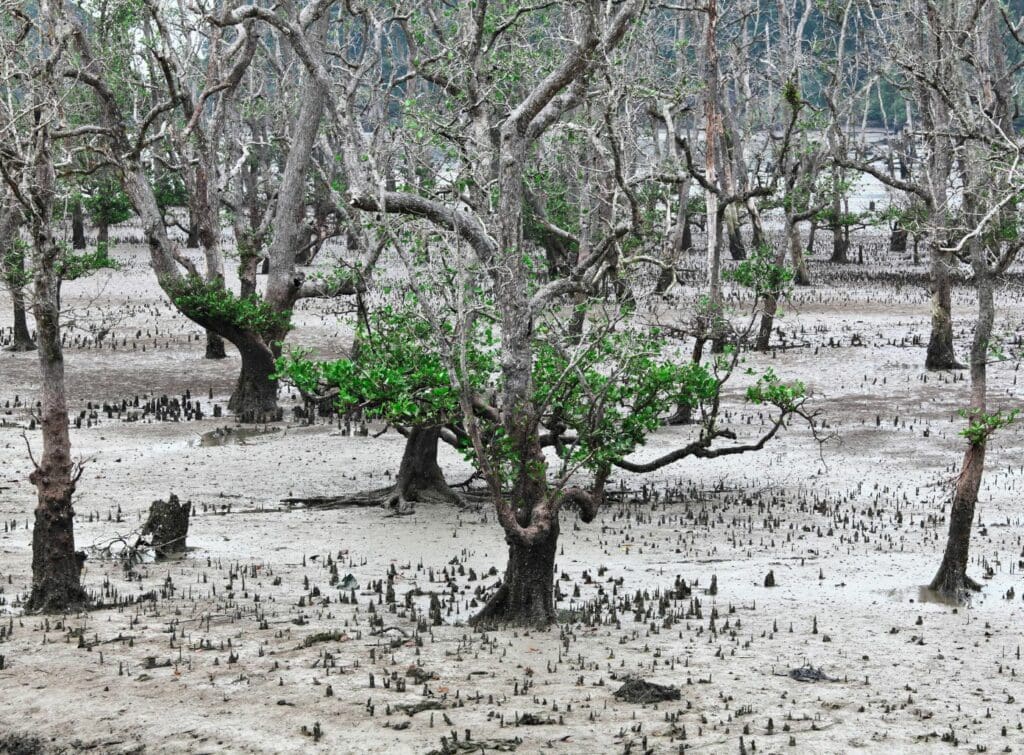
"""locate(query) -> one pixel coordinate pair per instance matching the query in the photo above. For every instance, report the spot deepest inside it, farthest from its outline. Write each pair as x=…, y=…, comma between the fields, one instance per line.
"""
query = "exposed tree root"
x=400, y=499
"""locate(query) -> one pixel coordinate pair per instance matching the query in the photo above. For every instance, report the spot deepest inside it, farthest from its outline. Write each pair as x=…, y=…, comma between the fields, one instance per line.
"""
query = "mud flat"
x=288, y=629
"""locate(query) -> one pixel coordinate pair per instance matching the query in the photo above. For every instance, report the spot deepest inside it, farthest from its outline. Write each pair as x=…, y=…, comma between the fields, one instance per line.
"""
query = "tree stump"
x=167, y=526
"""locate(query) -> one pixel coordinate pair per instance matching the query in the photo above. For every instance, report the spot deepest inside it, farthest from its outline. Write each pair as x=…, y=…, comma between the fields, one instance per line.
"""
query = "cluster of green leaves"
x=760, y=273
x=614, y=392
x=912, y=217
x=980, y=425
x=398, y=375
x=12, y=264
x=209, y=301
x=107, y=204
x=170, y=191
x=606, y=393
x=72, y=266
x=770, y=389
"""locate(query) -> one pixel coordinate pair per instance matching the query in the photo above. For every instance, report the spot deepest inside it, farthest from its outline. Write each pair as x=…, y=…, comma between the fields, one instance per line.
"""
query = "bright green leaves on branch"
x=210, y=302
x=613, y=393
x=107, y=204
x=72, y=266
x=981, y=425
x=761, y=274
x=769, y=389
x=398, y=376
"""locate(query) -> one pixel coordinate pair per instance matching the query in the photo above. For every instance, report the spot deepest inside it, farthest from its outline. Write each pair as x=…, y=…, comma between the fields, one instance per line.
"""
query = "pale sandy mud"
x=213, y=657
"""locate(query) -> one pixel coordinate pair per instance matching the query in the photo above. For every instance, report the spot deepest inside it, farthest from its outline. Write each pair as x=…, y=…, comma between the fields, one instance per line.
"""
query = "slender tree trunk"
x=940, y=355
x=77, y=226
x=840, y=247
x=898, y=239
x=771, y=300
x=56, y=568
x=951, y=579
x=22, y=340
x=840, y=244
x=526, y=596
x=192, y=237
x=103, y=233
x=801, y=275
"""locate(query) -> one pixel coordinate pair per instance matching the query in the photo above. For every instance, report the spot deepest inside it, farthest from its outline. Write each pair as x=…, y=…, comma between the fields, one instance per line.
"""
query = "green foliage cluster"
x=980, y=425
x=761, y=274
x=170, y=191
x=605, y=396
x=107, y=204
x=73, y=266
x=209, y=301
x=614, y=392
x=397, y=377
x=769, y=389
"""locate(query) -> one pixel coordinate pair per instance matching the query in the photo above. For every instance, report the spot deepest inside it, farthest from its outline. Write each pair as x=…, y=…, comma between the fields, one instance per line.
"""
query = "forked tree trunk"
x=255, y=396
x=526, y=596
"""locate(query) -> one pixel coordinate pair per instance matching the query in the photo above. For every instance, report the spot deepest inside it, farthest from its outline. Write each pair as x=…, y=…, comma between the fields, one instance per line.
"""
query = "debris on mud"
x=637, y=690
x=808, y=673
